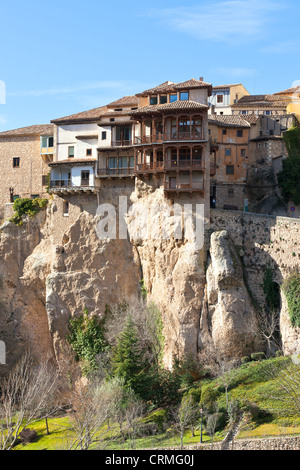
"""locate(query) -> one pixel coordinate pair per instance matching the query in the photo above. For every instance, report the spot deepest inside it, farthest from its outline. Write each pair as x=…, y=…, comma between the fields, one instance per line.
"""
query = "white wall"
x=66, y=137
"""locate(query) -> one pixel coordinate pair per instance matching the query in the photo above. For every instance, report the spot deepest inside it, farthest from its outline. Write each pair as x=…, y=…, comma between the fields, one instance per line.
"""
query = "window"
x=118, y=109
x=85, y=178
x=163, y=99
x=66, y=208
x=47, y=141
x=229, y=170
x=153, y=100
x=89, y=152
x=224, y=131
x=228, y=152
x=243, y=152
x=184, y=96
x=219, y=98
x=104, y=135
x=35, y=196
x=173, y=98
x=16, y=162
x=244, y=112
x=71, y=152
x=112, y=120
x=239, y=133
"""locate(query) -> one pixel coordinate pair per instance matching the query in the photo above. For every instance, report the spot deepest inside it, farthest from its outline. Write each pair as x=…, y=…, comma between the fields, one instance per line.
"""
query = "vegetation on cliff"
x=288, y=178
x=27, y=206
x=291, y=289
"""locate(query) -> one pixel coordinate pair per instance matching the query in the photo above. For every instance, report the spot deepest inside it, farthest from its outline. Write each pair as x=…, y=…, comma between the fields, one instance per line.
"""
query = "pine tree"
x=127, y=359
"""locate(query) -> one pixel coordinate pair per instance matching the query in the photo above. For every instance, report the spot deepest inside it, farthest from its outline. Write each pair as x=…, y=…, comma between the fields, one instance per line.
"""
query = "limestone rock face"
x=23, y=320
x=290, y=336
x=229, y=319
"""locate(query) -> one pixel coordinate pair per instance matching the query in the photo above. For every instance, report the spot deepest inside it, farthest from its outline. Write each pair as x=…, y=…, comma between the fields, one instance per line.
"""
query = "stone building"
x=269, y=105
x=229, y=138
x=24, y=154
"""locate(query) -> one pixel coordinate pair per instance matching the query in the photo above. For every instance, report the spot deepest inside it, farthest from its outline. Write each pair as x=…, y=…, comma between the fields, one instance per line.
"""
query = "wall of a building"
x=66, y=137
x=26, y=180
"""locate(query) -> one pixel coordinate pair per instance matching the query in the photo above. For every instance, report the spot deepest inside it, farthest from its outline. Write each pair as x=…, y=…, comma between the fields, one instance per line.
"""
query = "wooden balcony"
x=65, y=186
x=173, y=186
x=169, y=137
x=150, y=167
x=173, y=165
x=115, y=172
x=121, y=143
x=183, y=164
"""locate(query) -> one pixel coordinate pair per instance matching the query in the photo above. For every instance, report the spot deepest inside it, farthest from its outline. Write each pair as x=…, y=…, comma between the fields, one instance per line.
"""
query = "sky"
x=62, y=57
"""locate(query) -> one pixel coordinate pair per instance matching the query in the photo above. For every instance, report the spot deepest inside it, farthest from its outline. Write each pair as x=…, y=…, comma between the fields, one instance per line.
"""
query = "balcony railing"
x=142, y=167
x=170, y=165
x=184, y=163
x=121, y=143
x=106, y=172
x=66, y=183
x=168, y=137
x=61, y=183
x=184, y=187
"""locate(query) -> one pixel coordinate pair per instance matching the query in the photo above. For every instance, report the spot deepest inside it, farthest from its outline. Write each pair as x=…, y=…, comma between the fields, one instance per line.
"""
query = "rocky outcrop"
x=52, y=268
x=229, y=321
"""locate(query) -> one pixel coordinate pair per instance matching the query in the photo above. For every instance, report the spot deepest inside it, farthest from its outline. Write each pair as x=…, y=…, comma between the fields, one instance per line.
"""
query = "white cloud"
x=234, y=20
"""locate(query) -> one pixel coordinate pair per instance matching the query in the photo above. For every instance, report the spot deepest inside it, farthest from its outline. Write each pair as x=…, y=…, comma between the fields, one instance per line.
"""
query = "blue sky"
x=63, y=57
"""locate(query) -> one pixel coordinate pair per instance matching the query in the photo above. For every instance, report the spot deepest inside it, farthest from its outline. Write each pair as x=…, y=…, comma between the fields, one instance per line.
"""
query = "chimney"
x=201, y=79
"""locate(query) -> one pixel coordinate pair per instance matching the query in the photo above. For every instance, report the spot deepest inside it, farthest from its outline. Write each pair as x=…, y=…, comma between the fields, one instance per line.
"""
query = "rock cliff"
x=51, y=268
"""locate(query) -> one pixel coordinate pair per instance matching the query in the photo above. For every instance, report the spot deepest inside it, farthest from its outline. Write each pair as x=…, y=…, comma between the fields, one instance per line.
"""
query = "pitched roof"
x=39, y=129
x=130, y=100
x=170, y=107
x=226, y=86
x=289, y=91
x=92, y=115
x=228, y=121
x=170, y=86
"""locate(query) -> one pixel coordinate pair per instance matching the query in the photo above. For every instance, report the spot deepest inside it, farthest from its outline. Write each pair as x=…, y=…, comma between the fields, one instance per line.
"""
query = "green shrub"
x=27, y=206
x=291, y=289
x=87, y=340
x=259, y=356
x=245, y=359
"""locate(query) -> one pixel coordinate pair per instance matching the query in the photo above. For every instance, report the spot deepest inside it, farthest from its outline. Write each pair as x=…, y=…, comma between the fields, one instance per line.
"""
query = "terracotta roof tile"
x=92, y=115
x=39, y=129
x=170, y=86
x=228, y=121
x=170, y=107
x=130, y=100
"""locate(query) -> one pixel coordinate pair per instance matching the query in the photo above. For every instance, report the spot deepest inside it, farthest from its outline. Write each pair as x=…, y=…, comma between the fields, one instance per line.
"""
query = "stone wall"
x=264, y=242
x=26, y=180
x=272, y=443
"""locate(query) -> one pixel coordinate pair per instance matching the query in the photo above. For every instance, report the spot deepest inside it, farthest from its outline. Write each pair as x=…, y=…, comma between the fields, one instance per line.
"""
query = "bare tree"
x=220, y=365
x=269, y=328
x=211, y=422
x=27, y=395
x=95, y=405
x=185, y=416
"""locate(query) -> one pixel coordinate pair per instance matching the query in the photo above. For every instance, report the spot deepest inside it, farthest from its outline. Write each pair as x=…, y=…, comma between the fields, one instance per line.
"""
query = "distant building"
x=268, y=105
x=224, y=96
x=229, y=139
x=24, y=154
